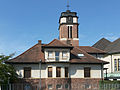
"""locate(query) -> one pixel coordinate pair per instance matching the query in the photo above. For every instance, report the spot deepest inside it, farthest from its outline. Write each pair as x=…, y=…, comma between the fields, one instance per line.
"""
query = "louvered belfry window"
x=27, y=72
x=87, y=71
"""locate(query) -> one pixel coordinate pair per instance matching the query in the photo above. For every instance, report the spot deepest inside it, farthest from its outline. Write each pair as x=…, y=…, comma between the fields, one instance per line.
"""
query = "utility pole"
x=40, y=72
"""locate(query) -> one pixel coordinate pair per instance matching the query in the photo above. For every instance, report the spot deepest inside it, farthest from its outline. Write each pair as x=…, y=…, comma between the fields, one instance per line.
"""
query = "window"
x=69, y=31
x=64, y=54
x=49, y=71
x=58, y=86
x=87, y=71
x=115, y=64
x=87, y=86
x=66, y=71
x=69, y=19
x=49, y=86
x=27, y=72
x=80, y=55
x=58, y=72
x=66, y=86
x=77, y=33
x=27, y=87
x=118, y=64
x=50, y=54
x=57, y=55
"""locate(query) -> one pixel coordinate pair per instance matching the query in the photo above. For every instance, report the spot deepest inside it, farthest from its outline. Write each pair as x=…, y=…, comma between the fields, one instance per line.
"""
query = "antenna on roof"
x=68, y=5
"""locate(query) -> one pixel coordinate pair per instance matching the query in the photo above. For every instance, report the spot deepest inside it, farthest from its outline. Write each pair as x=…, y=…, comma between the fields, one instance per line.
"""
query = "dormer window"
x=50, y=54
x=57, y=55
x=64, y=55
x=80, y=55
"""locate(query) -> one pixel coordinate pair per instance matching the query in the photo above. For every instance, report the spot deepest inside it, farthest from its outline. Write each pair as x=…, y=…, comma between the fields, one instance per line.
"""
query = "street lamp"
x=40, y=72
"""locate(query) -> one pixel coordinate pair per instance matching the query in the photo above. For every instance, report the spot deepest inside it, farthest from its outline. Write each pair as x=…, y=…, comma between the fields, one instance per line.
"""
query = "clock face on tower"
x=69, y=19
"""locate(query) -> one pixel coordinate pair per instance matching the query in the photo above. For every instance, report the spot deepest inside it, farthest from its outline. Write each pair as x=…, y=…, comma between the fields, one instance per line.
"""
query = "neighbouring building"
x=61, y=64
x=112, y=56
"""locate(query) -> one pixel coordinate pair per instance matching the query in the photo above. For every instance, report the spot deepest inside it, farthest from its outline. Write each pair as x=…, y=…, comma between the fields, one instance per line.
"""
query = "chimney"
x=39, y=42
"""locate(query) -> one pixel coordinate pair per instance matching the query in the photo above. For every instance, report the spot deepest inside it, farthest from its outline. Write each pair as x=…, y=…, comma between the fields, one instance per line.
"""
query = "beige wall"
x=75, y=71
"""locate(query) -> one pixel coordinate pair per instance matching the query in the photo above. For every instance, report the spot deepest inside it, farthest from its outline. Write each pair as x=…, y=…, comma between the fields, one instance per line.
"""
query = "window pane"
x=66, y=86
x=70, y=31
x=118, y=64
x=58, y=86
x=64, y=54
x=49, y=71
x=115, y=64
x=66, y=71
x=49, y=86
x=57, y=56
x=27, y=72
x=87, y=72
x=58, y=72
x=50, y=54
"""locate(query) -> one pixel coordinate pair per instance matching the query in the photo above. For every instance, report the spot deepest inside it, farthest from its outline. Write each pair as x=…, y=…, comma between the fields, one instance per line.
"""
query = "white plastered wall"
x=110, y=59
x=75, y=70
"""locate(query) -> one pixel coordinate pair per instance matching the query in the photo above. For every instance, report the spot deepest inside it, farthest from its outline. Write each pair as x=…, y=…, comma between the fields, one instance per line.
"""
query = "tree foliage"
x=7, y=71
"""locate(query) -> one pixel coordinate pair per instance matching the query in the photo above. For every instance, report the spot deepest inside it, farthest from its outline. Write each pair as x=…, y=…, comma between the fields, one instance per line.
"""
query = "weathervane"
x=68, y=5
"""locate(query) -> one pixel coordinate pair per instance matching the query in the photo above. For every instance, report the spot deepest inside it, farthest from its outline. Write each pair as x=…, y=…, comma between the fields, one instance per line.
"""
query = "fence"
x=74, y=86
x=109, y=85
x=18, y=87
x=102, y=86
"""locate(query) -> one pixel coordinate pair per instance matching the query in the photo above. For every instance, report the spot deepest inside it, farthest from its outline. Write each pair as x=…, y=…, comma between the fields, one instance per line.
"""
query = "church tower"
x=68, y=28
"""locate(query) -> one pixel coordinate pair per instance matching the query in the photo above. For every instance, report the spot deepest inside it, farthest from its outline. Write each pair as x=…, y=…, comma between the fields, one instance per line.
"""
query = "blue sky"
x=24, y=22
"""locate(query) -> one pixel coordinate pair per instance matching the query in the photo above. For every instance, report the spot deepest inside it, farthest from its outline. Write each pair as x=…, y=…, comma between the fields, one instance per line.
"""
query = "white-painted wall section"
x=110, y=59
x=63, y=20
x=75, y=71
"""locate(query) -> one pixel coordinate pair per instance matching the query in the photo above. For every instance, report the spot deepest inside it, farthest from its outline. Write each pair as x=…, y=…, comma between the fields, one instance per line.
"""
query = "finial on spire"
x=68, y=5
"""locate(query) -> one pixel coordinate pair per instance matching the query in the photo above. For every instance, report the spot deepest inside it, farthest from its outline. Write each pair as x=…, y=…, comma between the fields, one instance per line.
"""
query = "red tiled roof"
x=32, y=55
x=57, y=43
x=87, y=58
x=89, y=49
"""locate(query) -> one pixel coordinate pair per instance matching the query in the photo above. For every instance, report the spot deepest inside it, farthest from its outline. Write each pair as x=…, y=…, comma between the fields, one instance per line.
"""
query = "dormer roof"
x=57, y=44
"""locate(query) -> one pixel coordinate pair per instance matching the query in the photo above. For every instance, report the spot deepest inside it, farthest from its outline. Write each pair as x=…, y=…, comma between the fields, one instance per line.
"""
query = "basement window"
x=80, y=55
x=58, y=86
x=49, y=86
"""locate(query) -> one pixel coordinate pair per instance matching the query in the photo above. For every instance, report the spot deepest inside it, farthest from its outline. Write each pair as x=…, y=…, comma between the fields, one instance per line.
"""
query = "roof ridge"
x=110, y=46
x=58, y=41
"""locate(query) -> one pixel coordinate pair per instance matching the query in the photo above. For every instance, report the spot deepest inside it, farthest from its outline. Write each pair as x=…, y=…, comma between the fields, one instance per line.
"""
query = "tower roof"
x=68, y=13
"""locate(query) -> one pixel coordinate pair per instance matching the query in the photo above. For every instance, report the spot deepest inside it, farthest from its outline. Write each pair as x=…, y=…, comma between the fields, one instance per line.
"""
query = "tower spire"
x=68, y=5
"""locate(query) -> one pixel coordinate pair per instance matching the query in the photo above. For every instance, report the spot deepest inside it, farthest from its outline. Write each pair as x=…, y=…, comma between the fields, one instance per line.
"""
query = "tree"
x=7, y=71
